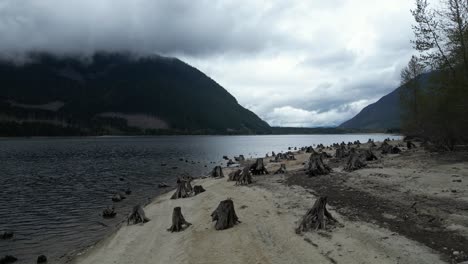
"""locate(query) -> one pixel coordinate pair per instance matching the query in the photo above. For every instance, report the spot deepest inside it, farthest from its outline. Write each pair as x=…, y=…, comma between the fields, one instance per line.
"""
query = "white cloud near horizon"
x=292, y=62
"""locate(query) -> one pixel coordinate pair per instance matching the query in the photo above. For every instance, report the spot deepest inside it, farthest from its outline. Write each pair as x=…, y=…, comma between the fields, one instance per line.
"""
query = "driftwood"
x=316, y=217
x=41, y=259
x=178, y=221
x=354, y=161
x=109, y=212
x=234, y=175
x=197, y=189
x=137, y=216
x=7, y=259
x=282, y=169
x=245, y=177
x=225, y=215
x=316, y=166
x=217, y=172
x=181, y=191
x=258, y=168
x=6, y=235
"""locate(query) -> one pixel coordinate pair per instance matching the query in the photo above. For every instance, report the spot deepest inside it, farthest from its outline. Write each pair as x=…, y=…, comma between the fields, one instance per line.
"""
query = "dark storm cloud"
x=292, y=62
x=142, y=26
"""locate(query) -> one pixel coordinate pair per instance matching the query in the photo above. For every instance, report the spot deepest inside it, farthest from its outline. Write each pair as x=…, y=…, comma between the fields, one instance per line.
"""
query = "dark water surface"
x=53, y=190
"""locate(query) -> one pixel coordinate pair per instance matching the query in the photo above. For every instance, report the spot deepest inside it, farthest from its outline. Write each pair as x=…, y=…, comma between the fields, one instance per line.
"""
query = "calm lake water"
x=53, y=190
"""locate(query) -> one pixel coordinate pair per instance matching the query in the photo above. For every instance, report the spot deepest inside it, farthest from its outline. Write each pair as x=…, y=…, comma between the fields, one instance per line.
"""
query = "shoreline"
x=276, y=188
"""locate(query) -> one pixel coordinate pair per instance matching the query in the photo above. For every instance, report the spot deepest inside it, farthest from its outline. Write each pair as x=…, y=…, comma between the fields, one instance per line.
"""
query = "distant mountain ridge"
x=385, y=114
x=379, y=116
x=117, y=94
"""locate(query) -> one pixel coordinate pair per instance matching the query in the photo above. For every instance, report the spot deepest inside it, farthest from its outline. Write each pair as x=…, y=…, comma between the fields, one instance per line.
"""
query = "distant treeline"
x=102, y=128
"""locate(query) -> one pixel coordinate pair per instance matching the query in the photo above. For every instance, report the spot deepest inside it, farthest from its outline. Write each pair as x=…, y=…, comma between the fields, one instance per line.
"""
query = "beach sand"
x=269, y=211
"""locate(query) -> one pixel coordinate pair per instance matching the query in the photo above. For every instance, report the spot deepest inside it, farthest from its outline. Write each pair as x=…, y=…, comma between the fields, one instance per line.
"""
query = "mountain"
x=379, y=116
x=116, y=94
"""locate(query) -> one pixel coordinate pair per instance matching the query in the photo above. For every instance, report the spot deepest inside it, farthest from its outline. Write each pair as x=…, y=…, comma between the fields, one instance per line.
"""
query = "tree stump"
x=245, y=177
x=234, y=175
x=6, y=235
x=258, y=168
x=188, y=185
x=316, y=167
x=370, y=156
x=225, y=215
x=316, y=217
x=341, y=152
x=7, y=259
x=310, y=149
x=137, y=216
x=282, y=169
x=181, y=191
x=217, y=172
x=197, y=189
x=41, y=259
x=109, y=212
x=178, y=221
x=117, y=197
x=389, y=149
x=354, y=161
x=410, y=145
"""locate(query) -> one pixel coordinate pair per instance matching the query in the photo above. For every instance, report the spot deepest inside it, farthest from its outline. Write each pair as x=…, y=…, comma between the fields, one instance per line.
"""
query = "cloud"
x=292, y=62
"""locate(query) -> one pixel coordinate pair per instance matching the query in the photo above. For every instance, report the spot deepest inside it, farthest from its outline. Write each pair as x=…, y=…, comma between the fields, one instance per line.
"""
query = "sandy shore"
x=271, y=207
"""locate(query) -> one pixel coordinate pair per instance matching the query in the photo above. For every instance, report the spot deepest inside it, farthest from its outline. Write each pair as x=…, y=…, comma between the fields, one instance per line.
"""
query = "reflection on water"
x=53, y=190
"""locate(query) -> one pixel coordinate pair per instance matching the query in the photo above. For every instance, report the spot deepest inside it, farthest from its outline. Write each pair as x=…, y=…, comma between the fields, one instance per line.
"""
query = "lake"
x=53, y=190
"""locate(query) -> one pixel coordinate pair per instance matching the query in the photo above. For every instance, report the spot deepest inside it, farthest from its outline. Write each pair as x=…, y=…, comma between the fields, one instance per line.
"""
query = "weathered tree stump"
x=117, y=197
x=188, y=185
x=410, y=145
x=316, y=217
x=310, y=149
x=258, y=168
x=370, y=156
x=240, y=158
x=282, y=169
x=197, y=189
x=225, y=215
x=234, y=175
x=178, y=221
x=109, y=212
x=181, y=191
x=354, y=161
x=217, y=172
x=41, y=259
x=316, y=167
x=389, y=149
x=230, y=162
x=6, y=235
x=7, y=259
x=245, y=177
x=137, y=216
x=341, y=152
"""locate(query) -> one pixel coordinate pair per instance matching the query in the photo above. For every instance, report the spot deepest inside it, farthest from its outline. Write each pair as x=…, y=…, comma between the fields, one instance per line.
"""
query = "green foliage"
x=434, y=105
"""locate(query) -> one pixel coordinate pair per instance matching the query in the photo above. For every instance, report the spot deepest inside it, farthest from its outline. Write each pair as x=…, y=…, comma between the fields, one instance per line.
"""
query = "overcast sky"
x=294, y=63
